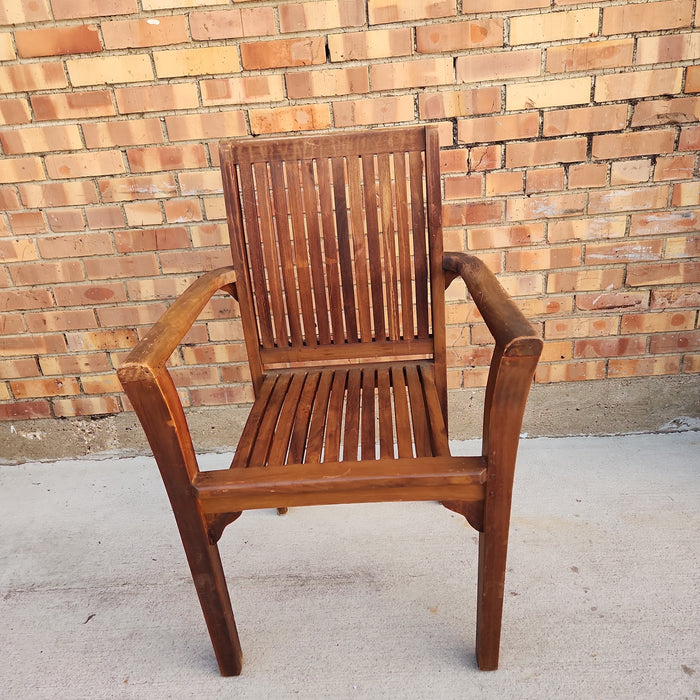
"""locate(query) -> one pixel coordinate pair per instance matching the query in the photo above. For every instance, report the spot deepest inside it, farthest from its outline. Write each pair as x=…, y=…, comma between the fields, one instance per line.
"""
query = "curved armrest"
x=153, y=351
x=512, y=331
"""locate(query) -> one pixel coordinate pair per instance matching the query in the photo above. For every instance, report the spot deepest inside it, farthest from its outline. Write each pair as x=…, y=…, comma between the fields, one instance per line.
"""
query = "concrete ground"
x=368, y=601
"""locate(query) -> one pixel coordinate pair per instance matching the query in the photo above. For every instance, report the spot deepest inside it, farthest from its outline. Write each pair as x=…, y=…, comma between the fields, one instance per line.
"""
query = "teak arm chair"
x=340, y=276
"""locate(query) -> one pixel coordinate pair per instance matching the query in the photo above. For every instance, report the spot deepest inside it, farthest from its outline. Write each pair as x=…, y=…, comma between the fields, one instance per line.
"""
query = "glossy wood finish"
x=340, y=276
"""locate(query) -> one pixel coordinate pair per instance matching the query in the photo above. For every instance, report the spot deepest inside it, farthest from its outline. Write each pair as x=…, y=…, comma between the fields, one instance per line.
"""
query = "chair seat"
x=342, y=414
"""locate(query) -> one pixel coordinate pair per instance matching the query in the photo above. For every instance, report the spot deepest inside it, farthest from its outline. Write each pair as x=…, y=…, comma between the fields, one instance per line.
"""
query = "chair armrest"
x=153, y=351
x=513, y=333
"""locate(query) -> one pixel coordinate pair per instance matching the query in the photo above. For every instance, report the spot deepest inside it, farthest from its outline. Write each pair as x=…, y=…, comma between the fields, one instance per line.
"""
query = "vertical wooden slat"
x=359, y=249
x=315, y=252
x=283, y=431
x=279, y=198
x=335, y=416
x=420, y=258
x=373, y=247
x=438, y=431
x=301, y=253
x=351, y=433
x=386, y=422
x=301, y=422
x=263, y=440
x=391, y=262
x=421, y=434
x=344, y=254
x=272, y=263
x=403, y=420
x=252, y=426
x=369, y=440
x=404, y=241
x=317, y=428
x=330, y=249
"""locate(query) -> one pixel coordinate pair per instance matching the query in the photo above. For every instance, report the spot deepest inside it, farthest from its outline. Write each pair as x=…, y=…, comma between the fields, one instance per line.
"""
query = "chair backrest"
x=337, y=244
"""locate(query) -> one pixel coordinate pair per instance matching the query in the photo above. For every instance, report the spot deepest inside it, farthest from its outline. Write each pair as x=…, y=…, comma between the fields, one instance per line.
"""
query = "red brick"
x=159, y=288
x=673, y=111
x=456, y=36
x=132, y=315
x=570, y=372
x=303, y=51
x=126, y=266
x=34, y=345
x=60, y=320
x=81, y=245
x=74, y=364
x=142, y=33
x=422, y=72
x=243, y=90
x=378, y=43
x=545, y=152
x=498, y=128
x=23, y=11
x=9, y=199
x=17, y=250
x=650, y=274
x=590, y=55
x=505, y=236
x=628, y=251
x=156, y=159
x=644, y=366
x=130, y=132
x=92, y=406
x=197, y=376
x=609, y=347
x=15, y=110
x=58, y=41
x=321, y=14
x=27, y=77
x=612, y=301
x=73, y=105
x=471, y=214
x=101, y=340
x=498, y=65
x=648, y=17
x=485, y=157
x=57, y=194
x=644, y=83
x=190, y=127
x=386, y=11
x=318, y=83
x=73, y=9
x=463, y=186
x=584, y=280
x=126, y=189
x=692, y=79
x=62, y=220
x=194, y=260
x=380, y=110
x=290, y=119
x=21, y=367
x=610, y=146
x=689, y=139
x=131, y=241
x=42, y=139
x=182, y=210
x=156, y=98
x=675, y=298
x=668, y=48
x=442, y=105
x=21, y=170
x=24, y=410
x=629, y=199
x=580, y=327
x=691, y=363
x=42, y=273
x=499, y=183
x=89, y=294
x=105, y=217
x=232, y=24
x=584, y=119
x=84, y=164
x=675, y=342
x=544, y=180
x=27, y=222
x=542, y=258
x=475, y=6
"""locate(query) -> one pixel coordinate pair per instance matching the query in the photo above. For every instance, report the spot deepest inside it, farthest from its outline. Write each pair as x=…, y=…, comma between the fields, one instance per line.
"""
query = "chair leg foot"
x=492, y=568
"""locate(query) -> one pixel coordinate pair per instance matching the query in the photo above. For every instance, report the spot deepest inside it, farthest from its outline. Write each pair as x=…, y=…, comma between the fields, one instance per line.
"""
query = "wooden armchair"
x=340, y=275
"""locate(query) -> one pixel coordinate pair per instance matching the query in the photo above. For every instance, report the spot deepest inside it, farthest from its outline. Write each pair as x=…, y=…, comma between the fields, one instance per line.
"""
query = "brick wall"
x=570, y=134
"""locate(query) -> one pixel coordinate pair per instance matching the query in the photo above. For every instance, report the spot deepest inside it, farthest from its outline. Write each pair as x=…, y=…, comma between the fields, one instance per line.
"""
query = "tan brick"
x=58, y=194
x=159, y=288
x=520, y=155
x=556, y=350
x=686, y=194
x=323, y=14
x=543, y=258
x=657, y=322
x=89, y=294
x=463, y=186
x=290, y=119
x=27, y=222
x=150, y=239
x=182, y=210
x=319, y=83
x=500, y=183
x=648, y=17
x=21, y=170
x=629, y=199
x=523, y=285
x=61, y=320
x=674, y=111
x=129, y=132
x=146, y=213
x=15, y=111
x=380, y=110
x=157, y=98
x=498, y=128
x=675, y=342
x=474, y=6
x=210, y=60
x=34, y=388
x=421, y=72
x=692, y=79
x=209, y=125
x=16, y=300
x=168, y=4
x=664, y=49
x=64, y=220
x=545, y=206
x=649, y=142
x=472, y=214
x=691, y=363
x=23, y=11
x=75, y=364
x=131, y=315
x=590, y=55
x=580, y=327
x=548, y=94
x=645, y=83
x=584, y=119
x=570, y=371
x=90, y=406
x=58, y=41
x=41, y=139
x=109, y=69
x=84, y=164
x=498, y=65
x=485, y=158
x=612, y=301
x=194, y=260
x=207, y=235
x=73, y=105
x=101, y=384
x=456, y=36
x=544, y=180
x=442, y=105
x=9, y=199
x=139, y=265
x=74, y=9
x=126, y=189
x=82, y=245
x=21, y=367
x=104, y=217
x=630, y=172
x=232, y=24
x=17, y=249
x=378, y=43
x=689, y=139
x=386, y=11
x=243, y=91
x=674, y=168
x=634, y=251
x=553, y=26
x=157, y=158
x=28, y=77
x=143, y=33
x=7, y=49
x=682, y=247
x=199, y=183
x=649, y=274
x=665, y=222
